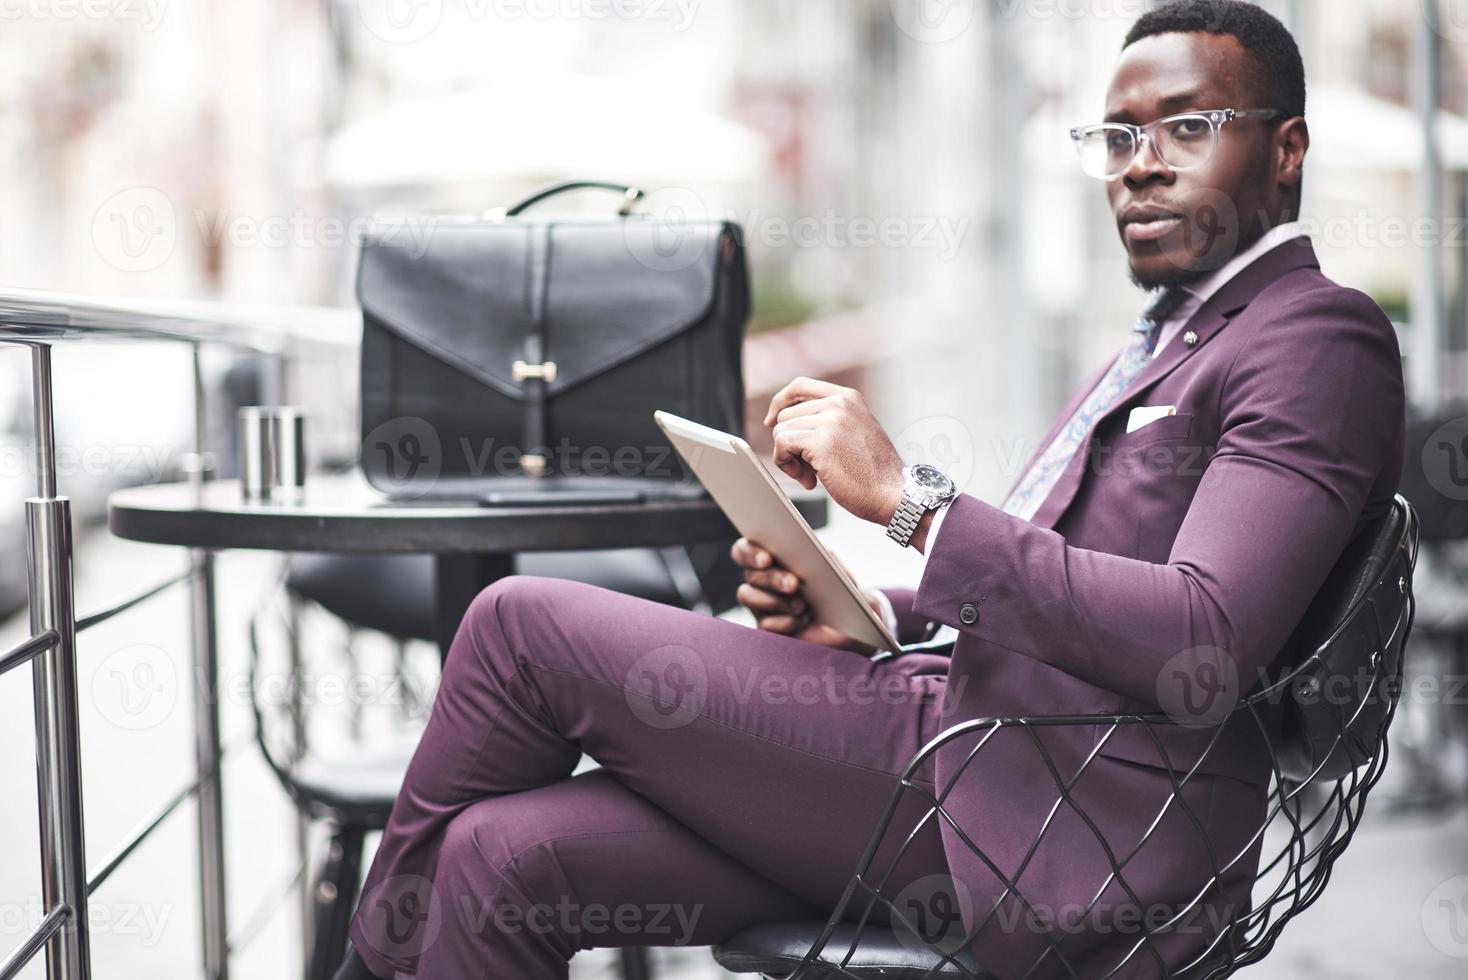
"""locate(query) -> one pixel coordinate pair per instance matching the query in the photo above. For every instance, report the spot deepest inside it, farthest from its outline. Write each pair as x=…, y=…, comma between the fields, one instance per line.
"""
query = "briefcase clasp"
x=545, y=371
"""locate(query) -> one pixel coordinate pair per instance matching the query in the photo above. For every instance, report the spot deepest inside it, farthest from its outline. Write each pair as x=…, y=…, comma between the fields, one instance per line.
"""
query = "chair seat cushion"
x=776, y=948
x=394, y=594
x=389, y=593
x=357, y=783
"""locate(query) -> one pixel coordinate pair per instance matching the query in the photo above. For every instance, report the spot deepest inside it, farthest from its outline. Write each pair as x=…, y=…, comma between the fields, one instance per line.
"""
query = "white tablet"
x=747, y=492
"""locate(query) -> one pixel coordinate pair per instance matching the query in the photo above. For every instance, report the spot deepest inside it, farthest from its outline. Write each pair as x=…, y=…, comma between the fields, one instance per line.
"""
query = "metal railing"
x=37, y=320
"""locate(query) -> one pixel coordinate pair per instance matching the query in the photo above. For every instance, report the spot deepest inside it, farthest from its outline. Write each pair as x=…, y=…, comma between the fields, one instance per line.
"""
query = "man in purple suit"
x=1171, y=528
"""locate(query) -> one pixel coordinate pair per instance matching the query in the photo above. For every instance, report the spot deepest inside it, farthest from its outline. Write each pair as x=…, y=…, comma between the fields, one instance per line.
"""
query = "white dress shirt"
x=1198, y=293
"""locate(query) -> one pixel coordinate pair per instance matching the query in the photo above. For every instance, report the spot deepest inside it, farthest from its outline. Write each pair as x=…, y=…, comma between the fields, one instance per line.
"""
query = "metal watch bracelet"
x=905, y=520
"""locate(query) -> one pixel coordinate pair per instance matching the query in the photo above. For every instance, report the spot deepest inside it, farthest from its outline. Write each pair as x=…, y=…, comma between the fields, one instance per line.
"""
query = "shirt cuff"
x=938, y=516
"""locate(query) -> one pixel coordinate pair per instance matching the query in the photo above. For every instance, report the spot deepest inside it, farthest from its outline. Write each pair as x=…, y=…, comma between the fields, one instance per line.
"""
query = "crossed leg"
x=528, y=879
x=741, y=775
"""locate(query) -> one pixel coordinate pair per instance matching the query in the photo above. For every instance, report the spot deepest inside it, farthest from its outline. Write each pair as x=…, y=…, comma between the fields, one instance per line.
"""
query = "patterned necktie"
x=1041, y=478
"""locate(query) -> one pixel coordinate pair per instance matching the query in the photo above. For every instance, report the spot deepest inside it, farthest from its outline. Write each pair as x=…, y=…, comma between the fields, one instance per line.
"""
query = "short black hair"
x=1269, y=42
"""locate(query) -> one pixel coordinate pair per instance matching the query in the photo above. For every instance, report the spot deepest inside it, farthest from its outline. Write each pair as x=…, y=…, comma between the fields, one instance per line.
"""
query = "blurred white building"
x=906, y=159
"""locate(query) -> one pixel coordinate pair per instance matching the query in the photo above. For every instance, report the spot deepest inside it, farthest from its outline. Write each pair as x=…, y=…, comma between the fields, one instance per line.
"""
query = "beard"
x=1205, y=256
x=1176, y=277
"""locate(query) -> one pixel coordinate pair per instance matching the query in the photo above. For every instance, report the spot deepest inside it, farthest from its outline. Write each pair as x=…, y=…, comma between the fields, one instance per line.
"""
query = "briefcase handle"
x=630, y=195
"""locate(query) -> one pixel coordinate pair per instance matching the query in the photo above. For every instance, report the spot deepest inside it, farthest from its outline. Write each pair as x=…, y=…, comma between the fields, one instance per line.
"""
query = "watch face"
x=931, y=479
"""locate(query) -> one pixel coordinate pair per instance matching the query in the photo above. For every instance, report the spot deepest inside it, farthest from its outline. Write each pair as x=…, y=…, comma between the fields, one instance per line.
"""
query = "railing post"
x=213, y=918
x=1426, y=342
x=53, y=672
x=298, y=749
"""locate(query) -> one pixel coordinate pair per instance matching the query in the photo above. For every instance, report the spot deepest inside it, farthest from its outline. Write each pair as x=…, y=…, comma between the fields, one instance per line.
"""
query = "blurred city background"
x=916, y=224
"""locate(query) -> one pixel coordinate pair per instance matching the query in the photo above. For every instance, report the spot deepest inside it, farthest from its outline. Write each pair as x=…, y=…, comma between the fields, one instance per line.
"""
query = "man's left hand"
x=826, y=432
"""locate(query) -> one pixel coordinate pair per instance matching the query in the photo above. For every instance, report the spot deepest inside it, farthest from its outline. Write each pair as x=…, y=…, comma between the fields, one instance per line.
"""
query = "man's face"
x=1179, y=225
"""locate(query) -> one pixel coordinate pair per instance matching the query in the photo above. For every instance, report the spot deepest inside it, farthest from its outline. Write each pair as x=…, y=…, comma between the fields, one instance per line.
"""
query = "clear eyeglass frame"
x=1086, y=140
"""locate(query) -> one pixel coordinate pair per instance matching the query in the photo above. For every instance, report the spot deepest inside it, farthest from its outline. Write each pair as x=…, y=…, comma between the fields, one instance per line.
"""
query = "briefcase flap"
x=611, y=289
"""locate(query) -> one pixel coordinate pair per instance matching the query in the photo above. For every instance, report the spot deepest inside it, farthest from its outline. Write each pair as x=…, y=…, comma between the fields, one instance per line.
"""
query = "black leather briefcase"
x=519, y=356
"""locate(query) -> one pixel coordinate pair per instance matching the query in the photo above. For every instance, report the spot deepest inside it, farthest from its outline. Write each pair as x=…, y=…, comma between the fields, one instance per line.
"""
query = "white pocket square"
x=1148, y=414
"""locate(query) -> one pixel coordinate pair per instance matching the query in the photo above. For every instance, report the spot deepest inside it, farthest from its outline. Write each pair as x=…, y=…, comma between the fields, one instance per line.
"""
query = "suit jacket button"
x=968, y=614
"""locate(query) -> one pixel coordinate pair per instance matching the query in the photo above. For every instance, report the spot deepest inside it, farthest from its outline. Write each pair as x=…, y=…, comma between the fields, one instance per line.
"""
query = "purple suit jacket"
x=1213, y=529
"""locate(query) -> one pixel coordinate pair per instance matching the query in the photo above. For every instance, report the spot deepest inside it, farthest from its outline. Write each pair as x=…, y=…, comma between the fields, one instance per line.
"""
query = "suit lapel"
x=1212, y=316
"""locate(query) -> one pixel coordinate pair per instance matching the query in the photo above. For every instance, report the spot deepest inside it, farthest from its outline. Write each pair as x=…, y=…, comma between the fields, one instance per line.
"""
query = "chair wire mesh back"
x=1323, y=716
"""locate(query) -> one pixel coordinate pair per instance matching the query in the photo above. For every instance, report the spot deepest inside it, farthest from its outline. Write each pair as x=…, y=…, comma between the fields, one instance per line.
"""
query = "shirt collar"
x=1201, y=291
x=1204, y=288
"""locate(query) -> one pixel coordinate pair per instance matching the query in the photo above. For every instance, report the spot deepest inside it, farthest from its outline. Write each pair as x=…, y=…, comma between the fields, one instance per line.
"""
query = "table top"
x=341, y=512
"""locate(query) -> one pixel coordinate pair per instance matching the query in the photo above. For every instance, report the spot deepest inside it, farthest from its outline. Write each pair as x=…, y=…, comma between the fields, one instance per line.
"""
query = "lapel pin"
x=1190, y=338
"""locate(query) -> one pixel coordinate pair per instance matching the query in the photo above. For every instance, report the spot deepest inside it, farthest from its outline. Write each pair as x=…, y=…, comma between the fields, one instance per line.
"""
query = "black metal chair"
x=1431, y=741
x=394, y=594
x=351, y=789
x=1327, y=751
x=1434, y=477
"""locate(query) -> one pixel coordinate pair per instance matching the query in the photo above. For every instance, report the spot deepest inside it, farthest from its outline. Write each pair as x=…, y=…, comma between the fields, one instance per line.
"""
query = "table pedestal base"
x=461, y=577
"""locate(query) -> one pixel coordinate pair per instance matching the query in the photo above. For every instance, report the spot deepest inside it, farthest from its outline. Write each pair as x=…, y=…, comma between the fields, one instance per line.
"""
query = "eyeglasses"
x=1185, y=141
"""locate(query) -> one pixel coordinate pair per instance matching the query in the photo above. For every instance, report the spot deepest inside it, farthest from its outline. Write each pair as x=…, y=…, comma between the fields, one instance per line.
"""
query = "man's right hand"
x=773, y=593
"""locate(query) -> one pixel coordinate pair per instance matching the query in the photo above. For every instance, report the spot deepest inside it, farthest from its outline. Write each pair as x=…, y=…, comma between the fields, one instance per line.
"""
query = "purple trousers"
x=741, y=775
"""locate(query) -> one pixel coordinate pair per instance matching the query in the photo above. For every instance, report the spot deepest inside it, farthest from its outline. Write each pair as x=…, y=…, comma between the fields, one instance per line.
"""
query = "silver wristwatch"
x=924, y=488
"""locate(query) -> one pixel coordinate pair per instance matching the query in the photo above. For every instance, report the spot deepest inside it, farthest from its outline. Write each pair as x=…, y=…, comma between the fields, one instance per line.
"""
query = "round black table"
x=473, y=545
